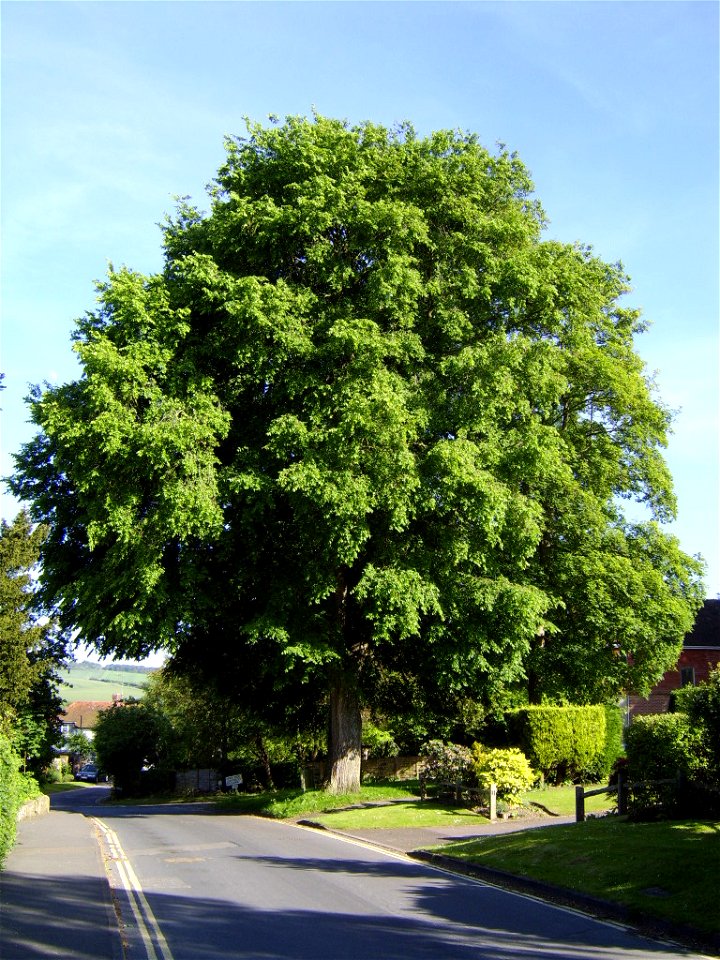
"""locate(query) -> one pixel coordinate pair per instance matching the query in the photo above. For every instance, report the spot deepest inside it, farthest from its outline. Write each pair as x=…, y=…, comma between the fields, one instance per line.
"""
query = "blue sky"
x=110, y=109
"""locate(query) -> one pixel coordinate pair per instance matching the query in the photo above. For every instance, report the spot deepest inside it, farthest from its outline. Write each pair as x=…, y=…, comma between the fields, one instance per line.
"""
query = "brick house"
x=699, y=655
x=80, y=716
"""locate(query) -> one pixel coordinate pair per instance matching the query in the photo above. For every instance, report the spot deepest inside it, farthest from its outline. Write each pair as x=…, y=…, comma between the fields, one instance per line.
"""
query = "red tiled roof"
x=84, y=713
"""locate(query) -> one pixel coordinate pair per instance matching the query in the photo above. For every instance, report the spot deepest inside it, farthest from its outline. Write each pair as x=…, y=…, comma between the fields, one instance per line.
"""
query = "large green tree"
x=366, y=422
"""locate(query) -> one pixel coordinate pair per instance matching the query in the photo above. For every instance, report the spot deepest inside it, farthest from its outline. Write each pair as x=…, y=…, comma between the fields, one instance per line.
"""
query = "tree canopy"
x=365, y=423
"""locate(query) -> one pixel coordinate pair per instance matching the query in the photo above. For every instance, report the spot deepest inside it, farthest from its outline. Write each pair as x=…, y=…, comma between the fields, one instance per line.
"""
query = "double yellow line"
x=153, y=939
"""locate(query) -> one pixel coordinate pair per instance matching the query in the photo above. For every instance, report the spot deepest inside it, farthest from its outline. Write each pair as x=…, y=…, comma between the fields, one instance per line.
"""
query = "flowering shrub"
x=509, y=769
x=446, y=762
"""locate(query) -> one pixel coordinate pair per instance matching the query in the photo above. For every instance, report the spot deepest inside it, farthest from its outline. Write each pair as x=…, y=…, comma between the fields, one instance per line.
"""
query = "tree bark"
x=265, y=761
x=345, y=736
x=533, y=677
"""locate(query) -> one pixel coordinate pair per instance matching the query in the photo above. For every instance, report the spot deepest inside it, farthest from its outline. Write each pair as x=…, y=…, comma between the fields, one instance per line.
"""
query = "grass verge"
x=293, y=803
x=665, y=870
x=50, y=788
x=550, y=801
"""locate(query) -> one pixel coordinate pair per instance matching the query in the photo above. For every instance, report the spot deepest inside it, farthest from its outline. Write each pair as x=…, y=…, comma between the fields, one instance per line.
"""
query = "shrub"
x=508, y=769
x=380, y=743
x=660, y=747
x=15, y=787
x=128, y=740
x=563, y=743
x=446, y=762
x=614, y=746
x=702, y=706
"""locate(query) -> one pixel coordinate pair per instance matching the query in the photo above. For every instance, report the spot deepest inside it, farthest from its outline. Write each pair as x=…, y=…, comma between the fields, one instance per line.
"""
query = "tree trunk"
x=533, y=677
x=265, y=761
x=345, y=736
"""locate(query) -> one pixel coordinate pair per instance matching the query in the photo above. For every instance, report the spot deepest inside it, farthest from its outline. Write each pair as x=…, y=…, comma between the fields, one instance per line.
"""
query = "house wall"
x=701, y=660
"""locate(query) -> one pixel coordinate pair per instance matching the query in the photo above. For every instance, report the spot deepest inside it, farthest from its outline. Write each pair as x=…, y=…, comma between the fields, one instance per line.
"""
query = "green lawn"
x=410, y=813
x=667, y=869
x=558, y=801
x=403, y=809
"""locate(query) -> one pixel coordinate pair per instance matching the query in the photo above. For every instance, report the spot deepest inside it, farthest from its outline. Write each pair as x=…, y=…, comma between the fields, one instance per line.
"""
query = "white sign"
x=234, y=780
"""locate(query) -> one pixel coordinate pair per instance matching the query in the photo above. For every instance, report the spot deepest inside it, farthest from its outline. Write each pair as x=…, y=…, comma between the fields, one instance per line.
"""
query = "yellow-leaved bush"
x=508, y=768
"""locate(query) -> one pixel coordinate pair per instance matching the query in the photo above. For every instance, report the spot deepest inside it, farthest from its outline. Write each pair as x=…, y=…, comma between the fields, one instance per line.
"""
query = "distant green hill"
x=99, y=681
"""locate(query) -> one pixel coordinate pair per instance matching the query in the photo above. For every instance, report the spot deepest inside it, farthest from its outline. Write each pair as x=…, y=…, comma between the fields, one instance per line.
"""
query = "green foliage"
x=19, y=550
x=702, y=706
x=446, y=762
x=366, y=420
x=14, y=789
x=614, y=742
x=660, y=746
x=561, y=742
x=80, y=747
x=379, y=742
x=207, y=726
x=128, y=739
x=202, y=725
x=509, y=769
x=30, y=649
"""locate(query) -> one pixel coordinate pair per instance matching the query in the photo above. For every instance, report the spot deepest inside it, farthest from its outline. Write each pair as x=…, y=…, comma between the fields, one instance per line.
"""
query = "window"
x=687, y=676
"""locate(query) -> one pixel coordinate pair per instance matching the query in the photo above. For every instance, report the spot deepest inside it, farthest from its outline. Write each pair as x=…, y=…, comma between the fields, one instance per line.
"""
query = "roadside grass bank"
x=49, y=788
x=665, y=870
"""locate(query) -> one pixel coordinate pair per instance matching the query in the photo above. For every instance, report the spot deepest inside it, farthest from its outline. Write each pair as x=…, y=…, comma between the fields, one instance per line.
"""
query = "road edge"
x=656, y=929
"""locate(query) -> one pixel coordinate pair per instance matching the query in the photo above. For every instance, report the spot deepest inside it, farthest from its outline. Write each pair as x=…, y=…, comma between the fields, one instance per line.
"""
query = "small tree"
x=129, y=739
x=81, y=749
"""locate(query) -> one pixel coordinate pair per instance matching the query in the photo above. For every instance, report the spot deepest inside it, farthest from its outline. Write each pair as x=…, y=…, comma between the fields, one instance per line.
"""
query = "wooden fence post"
x=579, y=804
x=622, y=788
x=493, y=801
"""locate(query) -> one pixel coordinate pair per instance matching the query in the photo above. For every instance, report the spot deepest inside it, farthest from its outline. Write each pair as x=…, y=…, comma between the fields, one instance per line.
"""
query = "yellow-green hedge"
x=564, y=743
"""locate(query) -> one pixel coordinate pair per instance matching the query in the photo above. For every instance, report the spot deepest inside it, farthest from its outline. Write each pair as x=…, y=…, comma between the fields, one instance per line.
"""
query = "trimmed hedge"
x=563, y=743
x=614, y=742
x=660, y=746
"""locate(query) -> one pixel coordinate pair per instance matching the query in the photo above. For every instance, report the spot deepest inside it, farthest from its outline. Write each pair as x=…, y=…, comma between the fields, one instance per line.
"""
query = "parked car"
x=89, y=773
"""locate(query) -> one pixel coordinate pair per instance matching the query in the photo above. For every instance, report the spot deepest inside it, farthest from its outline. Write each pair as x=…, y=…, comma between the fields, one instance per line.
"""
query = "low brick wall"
x=36, y=807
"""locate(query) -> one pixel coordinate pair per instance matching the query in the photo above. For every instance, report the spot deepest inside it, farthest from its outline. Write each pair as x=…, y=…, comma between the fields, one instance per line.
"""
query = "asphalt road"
x=190, y=884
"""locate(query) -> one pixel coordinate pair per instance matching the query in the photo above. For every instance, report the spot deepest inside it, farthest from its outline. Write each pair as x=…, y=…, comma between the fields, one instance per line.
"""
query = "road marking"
x=150, y=932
